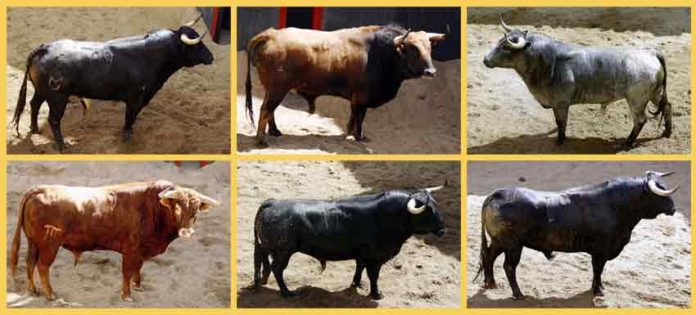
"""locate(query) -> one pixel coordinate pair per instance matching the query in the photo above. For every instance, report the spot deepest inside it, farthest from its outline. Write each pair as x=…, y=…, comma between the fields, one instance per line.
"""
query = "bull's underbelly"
x=560, y=240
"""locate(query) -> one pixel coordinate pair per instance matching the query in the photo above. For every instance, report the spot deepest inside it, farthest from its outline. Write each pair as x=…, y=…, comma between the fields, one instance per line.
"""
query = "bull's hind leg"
x=46, y=256
x=133, y=108
x=637, y=107
x=512, y=258
x=357, y=277
x=310, y=102
x=56, y=106
x=262, y=268
x=267, y=118
x=278, y=265
x=490, y=254
x=35, y=103
x=560, y=112
x=31, y=260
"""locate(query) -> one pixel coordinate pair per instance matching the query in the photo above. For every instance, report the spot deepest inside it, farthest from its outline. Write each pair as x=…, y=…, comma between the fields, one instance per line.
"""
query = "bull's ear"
x=435, y=38
x=207, y=202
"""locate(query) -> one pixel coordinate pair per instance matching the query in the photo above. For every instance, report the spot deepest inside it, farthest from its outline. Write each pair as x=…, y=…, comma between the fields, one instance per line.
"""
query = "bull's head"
x=659, y=198
x=414, y=49
x=507, y=52
x=423, y=208
x=186, y=203
x=191, y=45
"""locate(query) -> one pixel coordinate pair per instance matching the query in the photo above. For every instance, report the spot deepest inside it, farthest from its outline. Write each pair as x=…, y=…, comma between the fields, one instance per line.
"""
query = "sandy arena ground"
x=653, y=270
x=190, y=114
x=424, y=117
x=426, y=273
x=191, y=273
x=503, y=117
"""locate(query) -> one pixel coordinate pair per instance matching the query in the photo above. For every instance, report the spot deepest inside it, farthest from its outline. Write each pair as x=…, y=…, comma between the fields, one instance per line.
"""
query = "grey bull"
x=559, y=75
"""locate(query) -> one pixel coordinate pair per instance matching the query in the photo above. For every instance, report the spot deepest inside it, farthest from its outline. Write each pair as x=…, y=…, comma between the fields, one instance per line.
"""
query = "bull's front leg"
x=130, y=265
x=560, y=112
x=355, y=130
x=597, y=269
x=373, y=273
x=138, y=277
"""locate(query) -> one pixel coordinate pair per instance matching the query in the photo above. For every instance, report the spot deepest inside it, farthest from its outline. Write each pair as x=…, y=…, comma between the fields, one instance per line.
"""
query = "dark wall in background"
x=253, y=20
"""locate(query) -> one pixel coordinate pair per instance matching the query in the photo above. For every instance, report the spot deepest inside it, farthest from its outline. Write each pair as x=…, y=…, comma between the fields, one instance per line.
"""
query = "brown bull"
x=138, y=220
x=365, y=65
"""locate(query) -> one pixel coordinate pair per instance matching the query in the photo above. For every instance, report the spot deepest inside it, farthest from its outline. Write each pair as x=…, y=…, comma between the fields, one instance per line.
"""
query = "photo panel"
x=141, y=234
x=578, y=234
x=348, y=234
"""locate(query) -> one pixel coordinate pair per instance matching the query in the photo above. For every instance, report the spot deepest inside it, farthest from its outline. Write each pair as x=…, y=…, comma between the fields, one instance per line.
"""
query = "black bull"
x=369, y=229
x=129, y=69
x=596, y=219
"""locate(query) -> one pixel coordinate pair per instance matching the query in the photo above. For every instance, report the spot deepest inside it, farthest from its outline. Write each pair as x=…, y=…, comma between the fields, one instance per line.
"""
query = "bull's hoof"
x=59, y=146
x=597, y=293
x=138, y=288
x=33, y=291
x=50, y=297
x=376, y=296
x=34, y=130
x=667, y=133
x=275, y=133
x=491, y=285
x=261, y=144
x=560, y=141
x=519, y=297
x=287, y=294
x=356, y=285
x=350, y=138
x=126, y=298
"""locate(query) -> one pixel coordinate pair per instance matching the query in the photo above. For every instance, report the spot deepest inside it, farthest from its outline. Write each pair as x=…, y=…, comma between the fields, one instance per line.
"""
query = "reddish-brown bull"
x=138, y=220
x=365, y=65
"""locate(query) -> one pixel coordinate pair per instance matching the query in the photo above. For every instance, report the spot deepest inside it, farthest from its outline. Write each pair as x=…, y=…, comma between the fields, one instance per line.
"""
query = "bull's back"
x=314, y=62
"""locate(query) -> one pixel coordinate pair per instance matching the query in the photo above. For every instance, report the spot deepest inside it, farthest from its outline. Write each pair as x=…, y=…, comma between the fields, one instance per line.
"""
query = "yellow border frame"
x=234, y=157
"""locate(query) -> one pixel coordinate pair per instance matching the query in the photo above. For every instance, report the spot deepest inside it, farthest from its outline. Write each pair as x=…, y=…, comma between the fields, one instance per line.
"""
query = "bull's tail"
x=22, y=98
x=260, y=253
x=484, y=241
x=663, y=103
x=254, y=45
x=17, y=239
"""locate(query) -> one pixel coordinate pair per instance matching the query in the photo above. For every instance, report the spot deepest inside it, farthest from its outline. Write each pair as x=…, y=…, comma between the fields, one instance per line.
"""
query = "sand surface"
x=190, y=114
x=503, y=117
x=424, y=117
x=653, y=270
x=426, y=273
x=191, y=273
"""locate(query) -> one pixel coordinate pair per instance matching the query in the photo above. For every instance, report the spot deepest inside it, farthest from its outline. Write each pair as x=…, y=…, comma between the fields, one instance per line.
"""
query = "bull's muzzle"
x=671, y=212
x=487, y=63
x=440, y=232
x=429, y=72
x=186, y=233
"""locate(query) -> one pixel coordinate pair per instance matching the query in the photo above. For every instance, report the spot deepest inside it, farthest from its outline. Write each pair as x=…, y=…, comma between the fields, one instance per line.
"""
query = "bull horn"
x=660, y=192
x=411, y=205
x=658, y=174
x=191, y=41
x=207, y=200
x=170, y=194
x=400, y=39
x=520, y=42
x=505, y=27
x=192, y=23
x=436, y=188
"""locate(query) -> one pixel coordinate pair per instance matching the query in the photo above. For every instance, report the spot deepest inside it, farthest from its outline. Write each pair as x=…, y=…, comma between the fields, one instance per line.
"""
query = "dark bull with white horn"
x=559, y=75
x=596, y=219
x=369, y=229
x=130, y=69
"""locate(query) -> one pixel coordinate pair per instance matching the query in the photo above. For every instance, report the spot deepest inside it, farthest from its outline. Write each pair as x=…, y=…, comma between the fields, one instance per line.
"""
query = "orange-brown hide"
x=127, y=218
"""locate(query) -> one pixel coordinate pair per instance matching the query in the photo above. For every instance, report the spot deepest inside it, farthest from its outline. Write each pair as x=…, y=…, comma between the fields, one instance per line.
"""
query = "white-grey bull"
x=559, y=75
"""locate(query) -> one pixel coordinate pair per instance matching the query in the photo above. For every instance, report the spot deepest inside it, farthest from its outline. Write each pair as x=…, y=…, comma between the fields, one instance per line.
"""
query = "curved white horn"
x=188, y=41
x=411, y=205
x=520, y=42
x=192, y=23
x=170, y=194
x=505, y=27
x=658, y=174
x=436, y=188
x=207, y=200
x=660, y=192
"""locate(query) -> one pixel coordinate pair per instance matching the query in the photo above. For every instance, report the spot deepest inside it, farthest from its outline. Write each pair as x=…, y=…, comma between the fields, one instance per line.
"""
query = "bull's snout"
x=429, y=72
x=186, y=233
x=487, y=62
x=440, y=232
x=671, y=212
x=208, y=60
